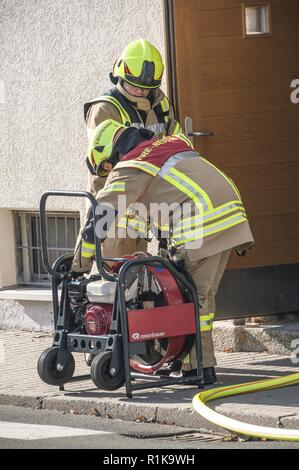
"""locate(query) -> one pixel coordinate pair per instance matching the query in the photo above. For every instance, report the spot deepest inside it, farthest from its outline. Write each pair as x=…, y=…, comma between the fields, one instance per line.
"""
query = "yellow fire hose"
x=238, y=427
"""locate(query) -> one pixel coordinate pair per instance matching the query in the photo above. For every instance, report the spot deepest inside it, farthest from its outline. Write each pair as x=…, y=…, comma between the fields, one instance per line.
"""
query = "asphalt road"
x=24, y=428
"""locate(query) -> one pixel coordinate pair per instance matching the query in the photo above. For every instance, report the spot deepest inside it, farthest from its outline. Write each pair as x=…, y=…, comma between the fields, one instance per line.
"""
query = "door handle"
x=200, y=134
x=191, y=133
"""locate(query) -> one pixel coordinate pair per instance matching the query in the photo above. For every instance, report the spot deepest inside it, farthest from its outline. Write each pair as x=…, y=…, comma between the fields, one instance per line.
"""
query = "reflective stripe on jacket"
x=217, y=206
x=168, y=171
x=130, y=115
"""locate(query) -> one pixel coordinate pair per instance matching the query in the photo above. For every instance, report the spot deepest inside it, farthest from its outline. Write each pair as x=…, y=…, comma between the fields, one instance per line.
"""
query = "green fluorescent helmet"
x=140, y=64
x=101, y=144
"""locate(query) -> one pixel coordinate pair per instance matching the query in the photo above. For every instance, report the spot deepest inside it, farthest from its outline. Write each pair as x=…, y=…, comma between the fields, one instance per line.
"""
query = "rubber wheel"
x=46, y=368
x=100, y=372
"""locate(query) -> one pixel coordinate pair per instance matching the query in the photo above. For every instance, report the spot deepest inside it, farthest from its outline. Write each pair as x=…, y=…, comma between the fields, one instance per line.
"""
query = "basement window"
x=62, y=232
x=256, y=20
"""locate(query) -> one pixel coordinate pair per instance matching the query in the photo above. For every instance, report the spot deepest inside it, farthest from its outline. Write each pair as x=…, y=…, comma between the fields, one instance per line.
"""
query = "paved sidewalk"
x=20, y=385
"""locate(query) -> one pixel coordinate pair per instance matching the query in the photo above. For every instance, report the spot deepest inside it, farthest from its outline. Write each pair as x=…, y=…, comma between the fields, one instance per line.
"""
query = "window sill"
x=26, y=293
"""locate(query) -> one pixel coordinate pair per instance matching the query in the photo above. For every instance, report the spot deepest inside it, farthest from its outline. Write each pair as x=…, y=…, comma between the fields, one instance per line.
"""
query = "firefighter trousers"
x=207, y=274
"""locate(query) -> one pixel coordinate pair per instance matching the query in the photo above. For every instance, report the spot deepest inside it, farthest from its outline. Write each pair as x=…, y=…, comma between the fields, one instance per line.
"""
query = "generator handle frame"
x=44, y=238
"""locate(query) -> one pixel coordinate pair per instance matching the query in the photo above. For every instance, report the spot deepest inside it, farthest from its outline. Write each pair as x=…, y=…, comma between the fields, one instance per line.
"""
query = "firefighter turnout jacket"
x=154, y=113
x=168, y=171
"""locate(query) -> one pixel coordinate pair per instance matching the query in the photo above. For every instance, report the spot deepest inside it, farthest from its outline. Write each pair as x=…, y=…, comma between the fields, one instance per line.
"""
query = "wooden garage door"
x=239, y=88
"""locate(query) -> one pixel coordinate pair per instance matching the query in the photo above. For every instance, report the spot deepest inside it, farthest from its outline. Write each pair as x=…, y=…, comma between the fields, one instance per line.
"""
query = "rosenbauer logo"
x=138, y=336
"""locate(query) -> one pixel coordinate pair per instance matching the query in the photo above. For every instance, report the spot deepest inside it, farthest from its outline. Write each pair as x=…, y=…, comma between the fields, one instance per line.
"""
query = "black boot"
x=209, y=375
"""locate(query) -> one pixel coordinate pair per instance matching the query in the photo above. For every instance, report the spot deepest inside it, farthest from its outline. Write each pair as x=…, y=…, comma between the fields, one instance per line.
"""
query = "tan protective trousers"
x=207, y=274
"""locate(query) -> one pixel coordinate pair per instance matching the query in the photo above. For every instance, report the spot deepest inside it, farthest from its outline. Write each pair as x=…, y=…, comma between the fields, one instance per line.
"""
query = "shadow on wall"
x=274, y=339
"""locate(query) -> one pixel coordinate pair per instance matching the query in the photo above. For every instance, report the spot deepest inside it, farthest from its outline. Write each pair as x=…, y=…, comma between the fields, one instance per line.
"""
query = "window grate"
x=62, y=232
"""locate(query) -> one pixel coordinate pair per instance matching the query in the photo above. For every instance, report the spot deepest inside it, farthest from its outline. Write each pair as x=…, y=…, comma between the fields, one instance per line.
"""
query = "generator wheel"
x=101, y=374
x=46, y=368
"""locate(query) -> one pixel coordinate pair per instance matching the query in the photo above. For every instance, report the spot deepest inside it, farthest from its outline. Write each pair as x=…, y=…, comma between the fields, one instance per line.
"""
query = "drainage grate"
x=179, y=437
x=192, y=437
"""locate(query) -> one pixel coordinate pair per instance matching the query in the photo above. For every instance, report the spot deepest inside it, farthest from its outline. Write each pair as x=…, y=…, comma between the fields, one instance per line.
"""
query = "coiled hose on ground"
x=238, y=427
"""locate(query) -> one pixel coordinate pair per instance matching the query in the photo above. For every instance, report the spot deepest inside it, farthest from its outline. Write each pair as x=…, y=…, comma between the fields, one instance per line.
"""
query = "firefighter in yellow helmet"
x=136, y=99
x=149, y=170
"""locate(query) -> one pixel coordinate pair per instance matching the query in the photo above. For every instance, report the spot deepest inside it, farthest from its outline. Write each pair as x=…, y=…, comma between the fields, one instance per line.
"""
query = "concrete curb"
x=183, y=417
x=284, y=421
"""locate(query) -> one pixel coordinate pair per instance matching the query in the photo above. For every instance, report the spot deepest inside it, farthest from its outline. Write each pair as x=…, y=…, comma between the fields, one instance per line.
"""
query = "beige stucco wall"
x=53, y=57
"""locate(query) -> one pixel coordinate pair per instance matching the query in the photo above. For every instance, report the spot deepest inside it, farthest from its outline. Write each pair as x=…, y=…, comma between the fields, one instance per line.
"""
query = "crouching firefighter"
x=205, y=221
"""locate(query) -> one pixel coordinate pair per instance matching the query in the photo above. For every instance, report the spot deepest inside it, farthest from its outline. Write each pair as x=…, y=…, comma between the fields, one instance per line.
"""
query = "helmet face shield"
x=146, y=79
x=140, y=65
